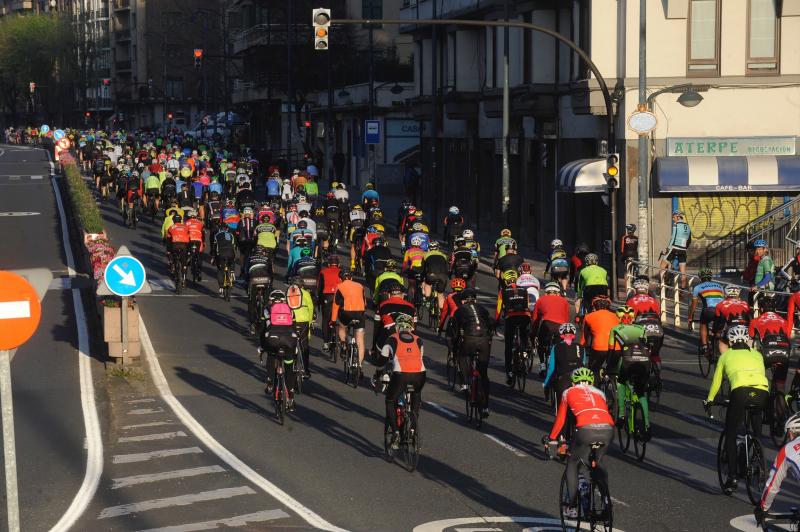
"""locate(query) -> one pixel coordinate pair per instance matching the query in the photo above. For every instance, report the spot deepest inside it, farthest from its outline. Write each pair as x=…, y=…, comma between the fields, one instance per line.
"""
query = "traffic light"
x=307, y=124
x=32, y=86
x=322, y=25
x=106, y=82
x=87, y=114
x=169, y=116
x=198, y=58
x=612, y=170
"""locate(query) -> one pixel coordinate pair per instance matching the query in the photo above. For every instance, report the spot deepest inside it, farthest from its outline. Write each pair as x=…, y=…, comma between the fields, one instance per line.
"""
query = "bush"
x=83, y=204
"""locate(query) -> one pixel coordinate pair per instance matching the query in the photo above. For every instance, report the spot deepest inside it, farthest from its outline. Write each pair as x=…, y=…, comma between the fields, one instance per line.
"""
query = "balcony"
x=268, y=35
x=120, y=5
x=124, y=66
x=445, y=8
x=100, y=104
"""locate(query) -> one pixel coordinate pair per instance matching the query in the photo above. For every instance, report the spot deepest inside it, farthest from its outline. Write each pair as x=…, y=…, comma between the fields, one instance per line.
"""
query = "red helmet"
x=458, y=284
x=524, y=268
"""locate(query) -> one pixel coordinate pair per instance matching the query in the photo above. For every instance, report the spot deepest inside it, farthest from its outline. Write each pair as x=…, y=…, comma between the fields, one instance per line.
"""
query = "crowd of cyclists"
x=211, y=205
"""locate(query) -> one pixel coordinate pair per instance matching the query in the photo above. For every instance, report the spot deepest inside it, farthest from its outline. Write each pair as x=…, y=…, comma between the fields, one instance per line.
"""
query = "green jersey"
x=593, y=275
x=742, y=367
x=765, y=277
x=502, y=244
x=152, y=181
x=626, y=334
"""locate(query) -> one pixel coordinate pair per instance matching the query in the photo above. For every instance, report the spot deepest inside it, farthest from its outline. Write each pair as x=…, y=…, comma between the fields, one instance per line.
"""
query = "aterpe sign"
x=20, y=310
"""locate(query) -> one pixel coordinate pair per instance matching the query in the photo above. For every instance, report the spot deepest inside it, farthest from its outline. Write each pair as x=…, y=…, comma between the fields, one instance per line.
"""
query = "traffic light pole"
x=9, y=451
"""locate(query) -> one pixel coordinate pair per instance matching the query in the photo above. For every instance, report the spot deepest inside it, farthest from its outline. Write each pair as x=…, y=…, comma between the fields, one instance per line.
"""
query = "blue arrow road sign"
x=372, y=132
x=44, y=129
x=125, y=276
x=58, y=134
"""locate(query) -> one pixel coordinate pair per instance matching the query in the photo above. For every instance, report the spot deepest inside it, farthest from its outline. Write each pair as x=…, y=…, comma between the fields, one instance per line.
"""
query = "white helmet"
x=416, y=241
x=468, y=234
x=556, y=243
x=641, y=286
x=793, y=423
x=732, y=291
x=738, y=333
x=454, y=210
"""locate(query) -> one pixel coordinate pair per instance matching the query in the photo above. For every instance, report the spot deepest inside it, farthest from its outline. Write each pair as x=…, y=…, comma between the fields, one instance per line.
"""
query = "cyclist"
x=369, y=196
x=728, y=312
x=349, y=305
x=770, y=331
x=259, y=275
x=385, y=280
x=593, y=424
x=469, y=241
x=434, y=272
x=375, y=261
x=710, y=293
x=510, y=260
x=451, y=304
x=453, y=223
x=474, y=332
x=302, y=304
x=274, y=186
x=678, y=243
x=502, y=244
x=558, y=264
x=463, y=262
x=412, y=264
x=279, y=334
x=152, y=187
x=223, y=253
x=358, y=219
x=642, y=303
x=788, y=459
x=592, y=282
x=550, y=311
x=266, y=234
x=629, y=246
x=529, y=282
x=565, y=357
x=387, y=313
x=512, y=304
x=177, y=241
x=327, y=283
x=405, y=350
x=630, y=361
x=765, y=271
x=196, y=244
x=597, y=327
x=744, y=369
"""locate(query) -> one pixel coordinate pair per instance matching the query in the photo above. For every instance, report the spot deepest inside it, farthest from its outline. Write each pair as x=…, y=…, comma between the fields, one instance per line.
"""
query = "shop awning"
x=583, y=175
x=758, y=173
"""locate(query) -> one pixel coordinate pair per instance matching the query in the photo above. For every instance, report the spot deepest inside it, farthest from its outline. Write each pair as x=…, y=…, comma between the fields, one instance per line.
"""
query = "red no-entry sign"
x=20, y=310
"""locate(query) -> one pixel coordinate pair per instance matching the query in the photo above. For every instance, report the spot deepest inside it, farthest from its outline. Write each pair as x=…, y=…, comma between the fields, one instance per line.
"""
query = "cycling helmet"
x=296, y=171
x=524, y=268
x=186, y=171
x=505, y=232
x=391, y=265
x=176, y=218
x=641, y=286
x=189, y=213
x=459, y=241
x=418, y=213
x=345, y=274
x=277, y=296
x=247, y=211
x=567, y=328
x=214, y=195
x=510, y=276
x=705, y=274
x=341, y=186
x=468, y=295
x=404, y=322
x=416, y=241
x=334, y=185
x=377, y=214
x=416, y=226
x=369, y=186
x=552, y=288
x=601, y=302
x=591, y=259
x=454, y=210
x=357, y=207
x=630, y=228
x=302, y=224
x=333, y=260
x=760, y=243
x=677, y=212
x=300, y=198
x=379, y=228
x=580, y=375
x=738, y=334
x=556, y=243
x=296, y=280
x=293, y=207
x=394, y=288
x=372, y=229
x=732, y=291
x=458, y=284
x=793, y=423
x=468, y=234
x=767, y=303
x=301, y=242
x=433, y=245
x=329, y=195
x=625, y=314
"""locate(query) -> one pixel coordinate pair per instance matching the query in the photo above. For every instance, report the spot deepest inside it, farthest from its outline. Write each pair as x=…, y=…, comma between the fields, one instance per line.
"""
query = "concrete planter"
x=112, y=332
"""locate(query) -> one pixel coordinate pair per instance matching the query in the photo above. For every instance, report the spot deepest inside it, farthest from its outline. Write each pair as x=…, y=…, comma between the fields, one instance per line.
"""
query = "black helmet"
x=767, y=303
x=176, y=218
x=302, y=224
x=468, y=294
x=345, y=274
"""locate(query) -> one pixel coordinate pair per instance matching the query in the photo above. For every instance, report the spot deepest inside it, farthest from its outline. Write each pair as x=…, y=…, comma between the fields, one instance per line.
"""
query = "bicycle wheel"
x=411, y=441
x=601, y=515
x=347, y=365
x=639, y=443
x=563, y=504
x=704, y=361
x=355, y=369
x=281, y=396
x=624, y=431
x=655, y=386
x=387, y=441
x=778, y=414
x=722, y=462
x=520, y=371
x=334, y=348
x=534, y=351
x=756, y=474
x=451, y=370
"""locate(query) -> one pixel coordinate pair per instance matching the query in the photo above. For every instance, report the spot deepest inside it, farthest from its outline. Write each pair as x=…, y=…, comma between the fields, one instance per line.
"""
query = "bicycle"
x=129, y=212
x=227, y=279
x=298, y=366
x=408, y=424
x=348, y=351
x=151, y=207
x=777, y=412
x=634, y=428
x=595, y=507
x=179, y=266
x=711, y=355
x=280, y=392
x=519, y=367
x=195, y=261
x=750, y=457
x=474, y=394
x=792, y=517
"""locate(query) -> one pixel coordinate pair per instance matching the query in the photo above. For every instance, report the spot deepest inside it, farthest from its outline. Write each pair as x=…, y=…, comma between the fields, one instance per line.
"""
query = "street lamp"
x=690, y=98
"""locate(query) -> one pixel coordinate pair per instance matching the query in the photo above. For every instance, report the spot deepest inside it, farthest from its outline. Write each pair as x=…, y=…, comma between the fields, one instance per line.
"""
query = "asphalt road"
x=329, y=456
x=46, y=390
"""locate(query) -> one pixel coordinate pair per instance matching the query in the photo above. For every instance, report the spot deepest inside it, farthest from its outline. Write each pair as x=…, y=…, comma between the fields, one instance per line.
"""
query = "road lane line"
x=145, y=411
x=135, y=480
x=180, y=500
x=153, y=437
x=505, y=445
x=137, y=401
x=439, y=408
x=144, y=457
x=621, y=503
x=91, y=422
x=311, y=517
x=152, y=424
x=238, y=521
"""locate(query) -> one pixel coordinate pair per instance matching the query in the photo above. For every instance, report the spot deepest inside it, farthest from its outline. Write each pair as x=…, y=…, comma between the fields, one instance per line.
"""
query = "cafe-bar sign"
x=732, y=146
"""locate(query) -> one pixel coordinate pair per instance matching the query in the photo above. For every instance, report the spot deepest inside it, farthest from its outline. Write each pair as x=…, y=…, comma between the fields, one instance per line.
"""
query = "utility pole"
x=506, y=170
x=289, y=84
x=435, y=178
x=643, y=181
x=371, y=160
x=329, y=123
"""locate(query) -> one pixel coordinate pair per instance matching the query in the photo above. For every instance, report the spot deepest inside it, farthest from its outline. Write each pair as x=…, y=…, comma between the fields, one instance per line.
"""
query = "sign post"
x=20, y=313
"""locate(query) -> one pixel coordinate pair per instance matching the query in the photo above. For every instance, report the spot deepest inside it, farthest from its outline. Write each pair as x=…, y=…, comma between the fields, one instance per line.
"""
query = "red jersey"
x=367, y=243
x=644, y=304
x=451, y=304
x=794, y=304
x=733, y=310
x=195, y=227
x=768, y=323
x=178, y=233
x=328, y=280
x=588, y=405
x=550, y=307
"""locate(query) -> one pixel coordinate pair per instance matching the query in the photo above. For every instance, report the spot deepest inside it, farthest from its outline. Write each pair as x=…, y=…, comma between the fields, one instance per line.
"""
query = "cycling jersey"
x=629, y=246
x=178, y=233
x=425, y=239
x=273, y=187
x=152, y=182
x=412, y=260
x=531, y=284
x=742, y=367
x=195, y=227
x=266, y=239
x=341, y=195
x=472, y=320
x=765, y=273
x=643, y=304
x=349, y=296
x=788, y=459
x=514, y=300
x=562, y=360
x=710, y=293
x=451, y=304
x=389, y=310
x=434, y=262
x=624, y=335
x=509, y=261
x=766, y=324
x=502, y=244
x=733, y=310
x=598, y=325
x=550, y=307
x=461, y=261
x=593, y=275
x=328, y=280
x=405, y=350
x=557, y=262
x=681, y=236
x=588, y=405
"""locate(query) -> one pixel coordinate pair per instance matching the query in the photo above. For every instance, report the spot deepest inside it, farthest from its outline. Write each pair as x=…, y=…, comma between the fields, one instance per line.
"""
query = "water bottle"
x=583, y=491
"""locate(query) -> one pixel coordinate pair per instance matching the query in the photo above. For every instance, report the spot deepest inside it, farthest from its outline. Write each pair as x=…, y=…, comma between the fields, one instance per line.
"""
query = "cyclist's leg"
x=360, y=342
x=622, y=385
x=393, y=391
x=418, y=380
x=303, y=330
x=733, y=420
x=509, y=328
x=639, y=379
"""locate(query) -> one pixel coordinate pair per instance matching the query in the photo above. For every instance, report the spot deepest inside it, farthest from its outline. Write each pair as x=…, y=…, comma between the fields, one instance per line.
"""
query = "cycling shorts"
x=679, y=254
x=636, y=375
x=438, y=280
x=346, y=317
x=153, y=192
x=708, y=315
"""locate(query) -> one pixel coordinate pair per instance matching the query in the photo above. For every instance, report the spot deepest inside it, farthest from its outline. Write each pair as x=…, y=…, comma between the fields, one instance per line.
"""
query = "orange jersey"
x=178, y=233
x=598, y=325
x=588, y=405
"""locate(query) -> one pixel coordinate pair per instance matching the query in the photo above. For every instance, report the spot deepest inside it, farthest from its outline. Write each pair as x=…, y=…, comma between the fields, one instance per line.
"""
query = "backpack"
x=515, y=299
x=294, y=297
x=281, y=314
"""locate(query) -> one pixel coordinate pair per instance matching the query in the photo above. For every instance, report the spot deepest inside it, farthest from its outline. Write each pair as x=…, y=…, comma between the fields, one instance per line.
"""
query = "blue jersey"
x=710, y=292
x=369, y=195
x=426, y=239
x=294, y=256
x=215, y=187
x=273, y=187
x=681, y=234
x=197, y=189
x=179, y=183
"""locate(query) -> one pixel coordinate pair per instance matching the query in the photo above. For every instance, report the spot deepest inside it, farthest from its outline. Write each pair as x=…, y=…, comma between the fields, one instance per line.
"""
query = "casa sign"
x=730, y=146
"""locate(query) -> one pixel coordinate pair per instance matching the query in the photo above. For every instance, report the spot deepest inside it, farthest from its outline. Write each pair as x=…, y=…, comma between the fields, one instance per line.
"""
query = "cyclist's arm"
x=580, y=287
x=776, y=476
x=338, y=300
x=561, y=417
x=499, y=307
x=551, y=367
x=790, y=316
x=693, y=307
x=717, y=381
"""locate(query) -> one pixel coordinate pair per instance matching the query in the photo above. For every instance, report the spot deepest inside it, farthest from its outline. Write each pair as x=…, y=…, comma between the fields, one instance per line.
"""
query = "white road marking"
x=238, y=521
x=439, y=408
x=617, y=501
x=15, y=213
x=180, y=500
x=145, y=411
x=10, y=310
x=311, y=517
x=37, y=177
x=60, y=283
x=153, y=437
x=538, y=523
x=505, y=445
x=144, y=457
x=748, y=524
x=94, y=453
x=135, y=480
x=152, y=424
x=137, y=401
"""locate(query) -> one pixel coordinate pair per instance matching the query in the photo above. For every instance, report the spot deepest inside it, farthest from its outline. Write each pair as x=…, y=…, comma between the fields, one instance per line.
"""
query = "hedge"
x=83, y=203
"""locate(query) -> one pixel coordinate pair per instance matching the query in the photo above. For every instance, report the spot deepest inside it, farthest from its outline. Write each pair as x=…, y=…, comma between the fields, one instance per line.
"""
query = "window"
x=173, y=88
x=763, y=42
x=372, y=9
x=703, y=38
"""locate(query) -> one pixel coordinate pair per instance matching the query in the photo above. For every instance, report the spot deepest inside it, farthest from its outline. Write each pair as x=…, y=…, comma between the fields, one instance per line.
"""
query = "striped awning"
x=583, y=175
x=761, y=173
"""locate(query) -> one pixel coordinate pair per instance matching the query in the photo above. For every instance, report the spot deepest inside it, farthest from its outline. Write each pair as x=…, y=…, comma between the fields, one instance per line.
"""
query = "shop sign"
x=730, y=146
